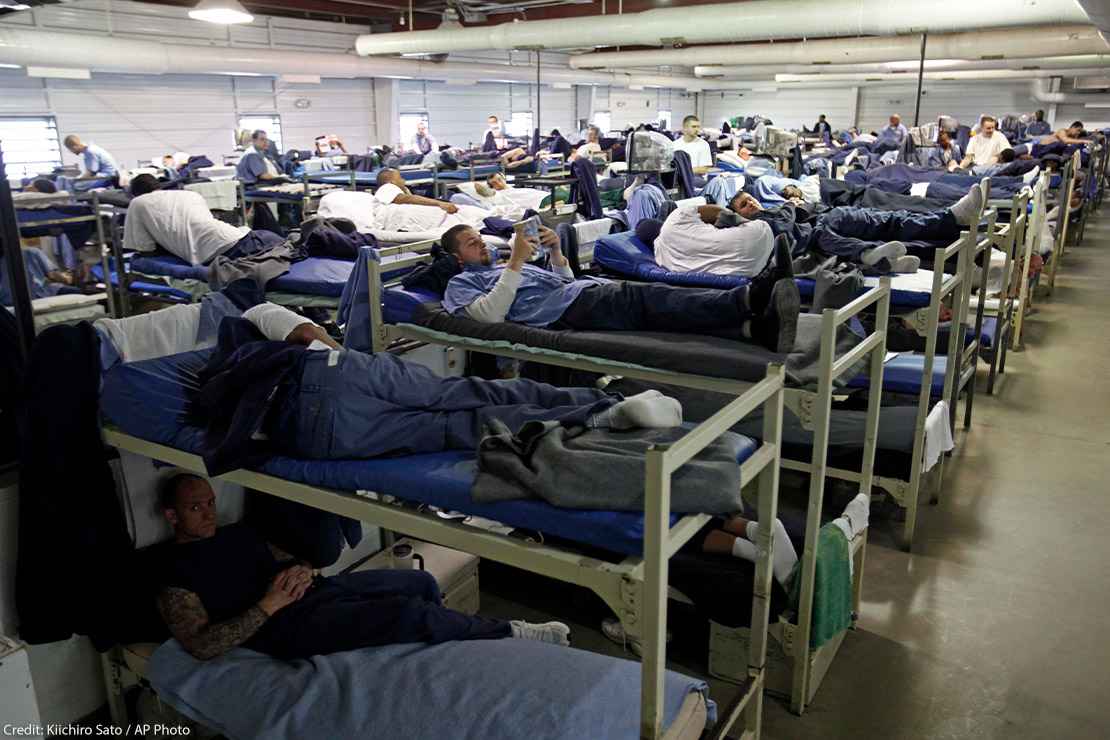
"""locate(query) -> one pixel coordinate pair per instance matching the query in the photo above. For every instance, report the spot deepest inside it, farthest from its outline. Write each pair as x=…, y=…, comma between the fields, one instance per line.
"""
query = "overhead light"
x=224, y=12
x=929, y=63
x=301, y=79
x=9, y=66
x=61, y=73
x=14, y=6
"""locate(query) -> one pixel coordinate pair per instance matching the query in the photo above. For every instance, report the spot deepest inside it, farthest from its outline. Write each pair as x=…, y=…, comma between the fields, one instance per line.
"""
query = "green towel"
x=832, y=588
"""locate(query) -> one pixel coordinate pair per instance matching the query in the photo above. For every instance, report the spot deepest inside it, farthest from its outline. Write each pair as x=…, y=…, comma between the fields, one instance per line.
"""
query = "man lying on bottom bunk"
x=180, y=222
x=225, y=587
x=765, y=310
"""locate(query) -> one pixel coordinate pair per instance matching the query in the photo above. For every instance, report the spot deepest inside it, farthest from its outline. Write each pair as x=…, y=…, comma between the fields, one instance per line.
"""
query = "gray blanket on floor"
x=583, y=468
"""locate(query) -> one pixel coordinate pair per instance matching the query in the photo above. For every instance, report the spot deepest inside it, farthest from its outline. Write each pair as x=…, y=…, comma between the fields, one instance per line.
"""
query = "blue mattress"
x=463, y=173
x=364, y=179
x=902, y=374
x=78, y=233
x=626, y=255
x=143, y=286
x=151, y=400
x=282, y=197
x=320, y=276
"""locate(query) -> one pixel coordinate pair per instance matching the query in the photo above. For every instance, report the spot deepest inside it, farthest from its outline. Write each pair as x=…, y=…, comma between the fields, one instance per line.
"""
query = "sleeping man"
x=764, y=311
x=180, y=222
x=225, y=587
x=499, y=198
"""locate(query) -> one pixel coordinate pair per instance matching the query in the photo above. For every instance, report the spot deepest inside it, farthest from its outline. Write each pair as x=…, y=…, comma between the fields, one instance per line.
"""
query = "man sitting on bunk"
x=98, y=166
x=701, y=158
x=863, y=235
x=984, y=147
x=180, y=222
x=765, y=311
x=946, y=155
x=257, y=165
x=225, y=587
x=689, y=242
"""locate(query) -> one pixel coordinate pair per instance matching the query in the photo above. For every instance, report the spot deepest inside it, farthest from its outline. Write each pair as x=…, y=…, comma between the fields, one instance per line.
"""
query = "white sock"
x=968, y=208
x=907, y=263
x=785, y=556
x=647, y=410
x=1031, y=175
x=744, y=550
x=858, y=512
x=889, y=251
x=556, y=633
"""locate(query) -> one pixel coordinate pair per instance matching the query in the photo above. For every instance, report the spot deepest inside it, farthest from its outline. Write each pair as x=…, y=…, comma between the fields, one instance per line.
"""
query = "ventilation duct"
x=135, y=56
x=970, y=74
x=1099, y=13
x=908, y=67
x=1017, y=43
x=1039, y=91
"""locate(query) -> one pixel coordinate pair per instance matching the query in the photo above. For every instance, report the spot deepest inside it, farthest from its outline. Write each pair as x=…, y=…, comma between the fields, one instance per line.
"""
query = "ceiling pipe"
x=135, y=56
x=1099, y=13
x=1045, y=41
x=748, y=21
x=970, y=74
x=908, y=67
x=1040, y=91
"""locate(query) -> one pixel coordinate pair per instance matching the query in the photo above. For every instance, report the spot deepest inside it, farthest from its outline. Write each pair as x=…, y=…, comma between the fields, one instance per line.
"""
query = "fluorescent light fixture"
x=224, y=12
x=10, y=66
x=397, y=77
x=14, y=6
x=242, y=74
x=929, y=63
x=301, y=79
x=61, y=73
x=1096, y=105
x=635, y=87
x=461, y=83
x=562, y=86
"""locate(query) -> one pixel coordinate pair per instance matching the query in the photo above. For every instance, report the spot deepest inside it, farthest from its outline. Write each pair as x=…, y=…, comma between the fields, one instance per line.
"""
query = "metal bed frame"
x=635, y=588
x=813, y=408
x=1064, y=192
x=1030, y=247
x=1092, y=170
x=1007, y=237
x=115, y=310
x=309, y=200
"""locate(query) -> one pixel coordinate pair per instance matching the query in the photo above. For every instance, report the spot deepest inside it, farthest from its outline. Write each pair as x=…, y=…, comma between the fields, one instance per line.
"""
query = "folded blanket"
x=581, y=468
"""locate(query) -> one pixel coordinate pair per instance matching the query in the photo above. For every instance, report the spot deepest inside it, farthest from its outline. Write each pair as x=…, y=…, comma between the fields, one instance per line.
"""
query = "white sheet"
x=914, y=282
x=919, y=189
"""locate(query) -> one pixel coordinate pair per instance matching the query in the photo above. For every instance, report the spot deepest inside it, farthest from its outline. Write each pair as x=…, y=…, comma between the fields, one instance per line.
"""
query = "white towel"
x=938, y=436
x=590, y=231
x=919, y=189
x=221, y=195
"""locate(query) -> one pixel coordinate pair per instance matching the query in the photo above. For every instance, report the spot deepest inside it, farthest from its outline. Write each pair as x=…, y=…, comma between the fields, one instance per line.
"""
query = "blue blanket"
x=485, y=690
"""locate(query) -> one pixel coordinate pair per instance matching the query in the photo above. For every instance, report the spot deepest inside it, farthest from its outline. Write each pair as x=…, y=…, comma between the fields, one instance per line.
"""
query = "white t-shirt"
x=378, y=212
x=688, y=244
x=179, y=222
x=698, y=149
x=984, y=151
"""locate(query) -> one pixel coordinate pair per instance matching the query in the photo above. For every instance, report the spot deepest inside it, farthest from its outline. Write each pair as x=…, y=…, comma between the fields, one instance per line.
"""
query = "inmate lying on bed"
x=225, y=587
x=766, y=310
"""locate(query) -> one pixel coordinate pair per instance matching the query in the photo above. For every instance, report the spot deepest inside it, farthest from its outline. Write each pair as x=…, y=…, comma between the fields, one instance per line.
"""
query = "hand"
x=523, y=249
x=550, y=240
x=306, y=333
x=450, y=207
x=287, y=588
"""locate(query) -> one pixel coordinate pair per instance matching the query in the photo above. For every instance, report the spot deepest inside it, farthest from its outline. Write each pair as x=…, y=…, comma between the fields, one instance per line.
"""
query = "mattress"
x=463, y=173
x=365, y=179
x=321, y=276
x=78, y=233
x=626, y=255
x=144, y=286
x=151, y=400
x=902, y=374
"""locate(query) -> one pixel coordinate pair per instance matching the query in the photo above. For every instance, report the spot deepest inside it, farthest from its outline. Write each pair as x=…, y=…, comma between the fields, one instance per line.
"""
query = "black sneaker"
x=779, y=267
x=777, y=327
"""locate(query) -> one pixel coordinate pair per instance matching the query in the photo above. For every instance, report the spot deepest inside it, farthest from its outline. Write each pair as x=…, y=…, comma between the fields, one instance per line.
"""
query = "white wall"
x=633, y=107
x=787, y=108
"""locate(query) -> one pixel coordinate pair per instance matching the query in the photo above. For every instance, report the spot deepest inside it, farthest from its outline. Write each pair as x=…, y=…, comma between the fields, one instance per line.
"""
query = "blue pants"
x=368, y=608
x=253, y=242
x=847, y=232
x=350, y=405
x=626, y=306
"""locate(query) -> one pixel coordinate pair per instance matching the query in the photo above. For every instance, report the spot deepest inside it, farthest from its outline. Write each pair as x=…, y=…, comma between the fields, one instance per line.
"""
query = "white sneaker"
x=612, y=628
x=556, y=633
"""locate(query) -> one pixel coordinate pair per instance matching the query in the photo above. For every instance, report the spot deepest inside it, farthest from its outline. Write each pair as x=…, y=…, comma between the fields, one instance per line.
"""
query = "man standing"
x=698, y=148
x=97, y=164
x=984, y=148
x=822, y=126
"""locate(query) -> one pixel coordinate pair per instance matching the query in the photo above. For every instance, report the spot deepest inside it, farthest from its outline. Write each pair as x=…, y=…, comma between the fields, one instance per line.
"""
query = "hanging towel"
x=938, y=436
x=832, y=588
x=221, y=195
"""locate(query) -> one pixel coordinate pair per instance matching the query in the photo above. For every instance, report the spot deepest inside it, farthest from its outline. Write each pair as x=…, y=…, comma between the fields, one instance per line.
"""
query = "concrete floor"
x=995, y=626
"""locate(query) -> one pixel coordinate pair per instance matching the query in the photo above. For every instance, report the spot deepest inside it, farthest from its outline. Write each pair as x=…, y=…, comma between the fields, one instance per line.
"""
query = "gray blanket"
x=599, y=469
x=262, y=267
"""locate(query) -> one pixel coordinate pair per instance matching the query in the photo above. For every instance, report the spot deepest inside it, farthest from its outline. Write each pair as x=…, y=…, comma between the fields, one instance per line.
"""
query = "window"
x=520, y=124
x=409, y=122
x=664, y=118
x=603, y=121
x=30, y=145
x=269, y=122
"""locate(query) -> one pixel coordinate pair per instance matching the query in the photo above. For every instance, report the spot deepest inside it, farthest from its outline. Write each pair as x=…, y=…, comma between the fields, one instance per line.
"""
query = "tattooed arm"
x=187, y=619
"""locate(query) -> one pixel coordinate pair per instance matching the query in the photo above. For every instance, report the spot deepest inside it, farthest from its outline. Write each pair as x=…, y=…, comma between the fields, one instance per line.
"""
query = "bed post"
x=240, y=192
x=377, y=325
x=800, y=690
x=1017, y=237
x=104, y=263
x=657, y=509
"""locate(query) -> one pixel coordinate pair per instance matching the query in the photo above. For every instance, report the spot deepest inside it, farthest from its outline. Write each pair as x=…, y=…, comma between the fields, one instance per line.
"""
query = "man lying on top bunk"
x=226, y=587
x=1061, y=142
x=502, y=199
x=180, y=222
x=765, y=310
x=718, y=240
